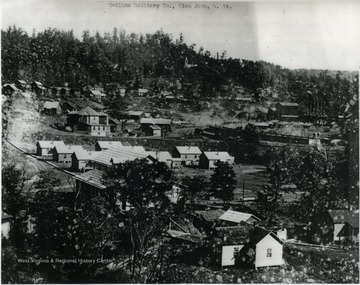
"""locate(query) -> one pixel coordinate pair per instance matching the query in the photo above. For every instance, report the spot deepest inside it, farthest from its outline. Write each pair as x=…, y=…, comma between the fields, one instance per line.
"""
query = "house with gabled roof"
x=287, y=111
x=190, y=155
x=9, y=89
x=21, y=84
x=81, y=159
x=208, y=159
x=246, y=245
x=336, y=226
x=38, y=88
x=62, y=154
x=52, y=108
x=148, y=125
x=45, y=148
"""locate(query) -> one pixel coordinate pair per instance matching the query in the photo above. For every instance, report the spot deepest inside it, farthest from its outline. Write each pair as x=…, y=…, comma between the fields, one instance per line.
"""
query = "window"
x=94, y=128
x=269, y=252
x=98, y=128
x=64, y=155
x=236, y=249
x=103, y=128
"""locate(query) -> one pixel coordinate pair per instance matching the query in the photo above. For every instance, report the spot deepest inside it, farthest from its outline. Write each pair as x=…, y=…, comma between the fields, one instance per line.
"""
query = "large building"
x=89, y=121
x=189, y=155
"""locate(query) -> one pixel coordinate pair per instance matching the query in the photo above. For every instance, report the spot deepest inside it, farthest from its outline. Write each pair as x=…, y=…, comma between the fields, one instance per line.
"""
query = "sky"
x=315, y=34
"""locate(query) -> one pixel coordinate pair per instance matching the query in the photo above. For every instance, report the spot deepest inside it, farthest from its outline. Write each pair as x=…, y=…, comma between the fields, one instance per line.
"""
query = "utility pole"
x=243, y=192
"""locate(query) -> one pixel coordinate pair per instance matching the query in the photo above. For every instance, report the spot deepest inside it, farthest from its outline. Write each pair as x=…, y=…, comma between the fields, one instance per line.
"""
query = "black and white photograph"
x=180, y=141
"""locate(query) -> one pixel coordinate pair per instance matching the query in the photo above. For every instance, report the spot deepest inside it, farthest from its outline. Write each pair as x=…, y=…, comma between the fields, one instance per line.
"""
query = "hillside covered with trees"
x=56, y=57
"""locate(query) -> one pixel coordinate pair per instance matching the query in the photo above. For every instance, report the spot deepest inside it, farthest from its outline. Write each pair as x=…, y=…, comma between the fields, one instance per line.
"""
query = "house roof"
x=184, y=236
x=211, y=215
x=344, y=216
x=83, y=154
x=22, y=81
x=259, y=233
x=155, y=121
x=161, y=156
x=234, y=235
x=143, y=90
x=50, y=144
x=134, y=113
x=109, y=144
x=237, y=217
x=288, y=104
x=97, y=92
x=38, y=83
x=92, y=177
x=51, y=105
x=115, y=121
x=87, y=111
x=218, y=155
x=117, y=155
x=188, y=149
x=262, y=109
x=12, y=86
x=67, y=149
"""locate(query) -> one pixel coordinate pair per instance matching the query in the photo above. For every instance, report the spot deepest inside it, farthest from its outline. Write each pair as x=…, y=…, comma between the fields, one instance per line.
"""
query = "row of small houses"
x=98, y=92
x=111, y=152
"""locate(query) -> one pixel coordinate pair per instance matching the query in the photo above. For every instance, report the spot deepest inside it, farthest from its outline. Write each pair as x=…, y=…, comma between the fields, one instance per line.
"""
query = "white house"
x=208, y=159
x=45, y=148
x=189, y=155
x=244, y=244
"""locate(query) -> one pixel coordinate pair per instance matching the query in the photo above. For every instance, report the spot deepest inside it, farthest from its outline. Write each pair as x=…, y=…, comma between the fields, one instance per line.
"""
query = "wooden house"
x=190, y=155
x=21, y=84
x=336, y=226
x=147, y=126
x=89, y=121
x=38, y=88
x=62, y=154
x=208, y=159
x=287, y=111
x=52, y=108
x=248, y=246
x=9, y=89
x=45, y=148
x=81, y=160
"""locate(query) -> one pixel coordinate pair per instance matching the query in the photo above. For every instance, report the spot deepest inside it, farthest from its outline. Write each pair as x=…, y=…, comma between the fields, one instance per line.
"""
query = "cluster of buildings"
x=235, y=238
x=107, y=153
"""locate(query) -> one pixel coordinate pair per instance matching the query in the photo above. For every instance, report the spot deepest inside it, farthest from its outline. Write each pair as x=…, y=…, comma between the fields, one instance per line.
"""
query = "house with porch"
x=89, y=121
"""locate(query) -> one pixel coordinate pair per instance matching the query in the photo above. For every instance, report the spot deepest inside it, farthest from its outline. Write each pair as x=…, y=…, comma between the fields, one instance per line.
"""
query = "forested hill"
x=55, y=57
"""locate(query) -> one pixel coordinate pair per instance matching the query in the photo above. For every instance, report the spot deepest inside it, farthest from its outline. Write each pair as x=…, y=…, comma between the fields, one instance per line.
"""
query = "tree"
x=193, y=187
x=146, y=187
x=322, y=180
x=17, y=182
x=223, y=182
x=281, y=171
x=250, y=134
